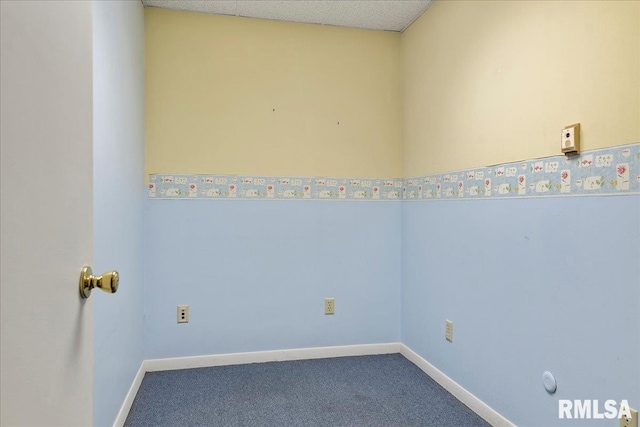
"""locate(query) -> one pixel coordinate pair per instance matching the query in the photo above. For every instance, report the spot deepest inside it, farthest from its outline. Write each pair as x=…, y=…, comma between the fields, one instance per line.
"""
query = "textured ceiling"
x=390, y=15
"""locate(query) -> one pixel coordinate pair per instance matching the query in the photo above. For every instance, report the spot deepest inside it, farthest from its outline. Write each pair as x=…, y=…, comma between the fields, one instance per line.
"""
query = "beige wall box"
x=571, y=140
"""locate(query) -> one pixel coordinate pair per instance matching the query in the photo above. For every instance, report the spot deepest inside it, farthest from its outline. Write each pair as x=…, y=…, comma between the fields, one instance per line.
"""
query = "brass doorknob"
x=108, y=282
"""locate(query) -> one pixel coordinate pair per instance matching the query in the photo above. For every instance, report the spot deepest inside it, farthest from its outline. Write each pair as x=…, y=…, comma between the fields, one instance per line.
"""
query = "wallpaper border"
x=250, y=187
x=606, y=171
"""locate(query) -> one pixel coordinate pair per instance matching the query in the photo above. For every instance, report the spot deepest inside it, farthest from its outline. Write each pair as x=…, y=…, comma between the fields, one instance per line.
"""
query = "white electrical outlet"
x=329, y=306
x=629, y=422
x=448, y=331
x=183, y=314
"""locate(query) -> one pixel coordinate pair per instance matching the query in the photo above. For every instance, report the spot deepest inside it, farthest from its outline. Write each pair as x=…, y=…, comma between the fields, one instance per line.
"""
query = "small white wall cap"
x=549, y=382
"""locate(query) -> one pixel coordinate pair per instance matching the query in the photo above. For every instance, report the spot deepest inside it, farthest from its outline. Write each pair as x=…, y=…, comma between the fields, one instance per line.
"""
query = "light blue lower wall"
x=255, y=275
x=531, y=285
x=119, y=200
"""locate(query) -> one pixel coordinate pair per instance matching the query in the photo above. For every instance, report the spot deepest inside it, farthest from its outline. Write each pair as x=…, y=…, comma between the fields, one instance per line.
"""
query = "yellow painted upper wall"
x=246, y=96
x=488, y=82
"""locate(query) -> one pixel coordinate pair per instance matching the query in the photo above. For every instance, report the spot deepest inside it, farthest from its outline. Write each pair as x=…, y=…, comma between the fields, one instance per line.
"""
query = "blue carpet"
x=384, y=390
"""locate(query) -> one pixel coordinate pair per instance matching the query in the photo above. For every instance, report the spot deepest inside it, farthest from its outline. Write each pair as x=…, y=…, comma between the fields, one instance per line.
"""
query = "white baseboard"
x=131, y=395
x=460, y=393
x=269, y=356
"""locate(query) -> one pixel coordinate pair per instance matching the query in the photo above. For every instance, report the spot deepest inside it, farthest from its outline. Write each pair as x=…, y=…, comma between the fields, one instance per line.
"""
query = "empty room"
x=320, y=213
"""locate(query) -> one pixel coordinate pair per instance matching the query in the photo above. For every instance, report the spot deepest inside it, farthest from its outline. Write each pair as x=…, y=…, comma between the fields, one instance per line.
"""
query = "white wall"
x=46, y=329
x=118, y=138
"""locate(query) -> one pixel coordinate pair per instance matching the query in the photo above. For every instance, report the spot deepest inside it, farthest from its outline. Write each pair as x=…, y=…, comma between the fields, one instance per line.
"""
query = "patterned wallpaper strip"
x=598, y=172
x=264, y=187
x=606, y=171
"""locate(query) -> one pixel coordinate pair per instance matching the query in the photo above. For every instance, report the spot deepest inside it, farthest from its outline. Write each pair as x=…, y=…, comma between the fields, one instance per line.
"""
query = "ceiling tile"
x=221, y=7
x=389, y=15
x=312, y=12
x=375, y=15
